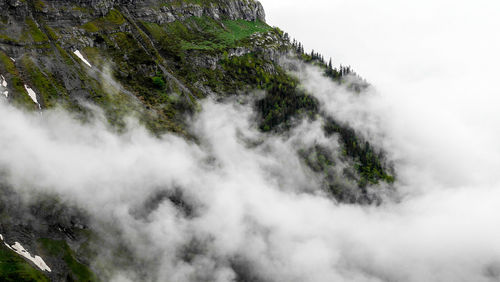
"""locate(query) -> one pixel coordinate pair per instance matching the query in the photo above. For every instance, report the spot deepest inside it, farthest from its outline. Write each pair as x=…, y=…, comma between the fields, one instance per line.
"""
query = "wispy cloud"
x=239, y=202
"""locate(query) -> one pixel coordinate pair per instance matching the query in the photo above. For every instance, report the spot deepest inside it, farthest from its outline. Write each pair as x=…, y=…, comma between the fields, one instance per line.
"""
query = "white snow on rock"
x=1, y=237
x=19, y=249
x=79, y=55
x=3, y=86
x=38, y=261
x=32, y=95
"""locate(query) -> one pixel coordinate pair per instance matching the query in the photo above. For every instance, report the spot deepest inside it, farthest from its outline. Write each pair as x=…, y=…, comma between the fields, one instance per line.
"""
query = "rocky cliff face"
x=160, y=11
x=142, y=38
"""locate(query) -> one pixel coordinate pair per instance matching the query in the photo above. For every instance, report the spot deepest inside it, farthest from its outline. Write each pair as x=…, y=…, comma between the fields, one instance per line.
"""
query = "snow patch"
x=3, y=86
x=37, y=260
x=79, y=55
x=32, y=95
x=19, y=249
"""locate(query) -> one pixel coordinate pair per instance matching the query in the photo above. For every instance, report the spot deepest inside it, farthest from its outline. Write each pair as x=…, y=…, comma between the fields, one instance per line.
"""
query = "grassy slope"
x=14, y=268
x=60, y=249
x=203, y=3
x=204, y=33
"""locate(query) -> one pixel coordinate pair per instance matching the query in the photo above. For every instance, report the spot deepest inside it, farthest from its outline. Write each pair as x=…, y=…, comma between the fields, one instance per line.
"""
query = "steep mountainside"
x=155, y=60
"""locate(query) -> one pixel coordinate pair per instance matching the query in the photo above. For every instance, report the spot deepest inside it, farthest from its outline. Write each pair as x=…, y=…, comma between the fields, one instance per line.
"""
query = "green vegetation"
x=7, y=39
x=158, y=82
x=135, y=69
x=135, y=61
x=39, y=5
x=114, y=17
x=318, y=158
x=338, y=75
x=19, y=96
x=126, y=43
x=60, y=249
x=14, y=268
x=110, y=21
x=239, y=29
x=84, y=10
x=90, y=27
x=203, y=3
x=66, y=57
x=284, y=100
x=368, y=163
x=51, y=33
x=7, y=64
x=34, y=32
x=203, y=33
x=46, y=85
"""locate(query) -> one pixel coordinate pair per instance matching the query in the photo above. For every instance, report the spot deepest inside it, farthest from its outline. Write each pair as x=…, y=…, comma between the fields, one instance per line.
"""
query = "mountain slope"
x=157, y=61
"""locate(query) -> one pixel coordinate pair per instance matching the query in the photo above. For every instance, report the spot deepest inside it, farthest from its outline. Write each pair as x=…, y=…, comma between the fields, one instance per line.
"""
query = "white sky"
x=426, y=35
x=435, y=62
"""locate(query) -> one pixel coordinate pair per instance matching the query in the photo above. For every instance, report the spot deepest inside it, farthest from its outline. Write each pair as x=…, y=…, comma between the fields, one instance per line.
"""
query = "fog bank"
x=250, y=204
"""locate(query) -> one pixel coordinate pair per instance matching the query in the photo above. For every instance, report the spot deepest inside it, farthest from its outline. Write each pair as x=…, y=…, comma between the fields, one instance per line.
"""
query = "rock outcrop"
x=149, y=10
x=43, y=35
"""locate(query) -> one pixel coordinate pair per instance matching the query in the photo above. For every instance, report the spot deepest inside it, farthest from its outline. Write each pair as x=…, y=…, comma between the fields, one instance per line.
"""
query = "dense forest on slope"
x=156, y=60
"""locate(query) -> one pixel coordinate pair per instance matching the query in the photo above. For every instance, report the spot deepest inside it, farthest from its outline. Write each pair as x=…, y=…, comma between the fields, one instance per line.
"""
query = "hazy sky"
x=414, y=37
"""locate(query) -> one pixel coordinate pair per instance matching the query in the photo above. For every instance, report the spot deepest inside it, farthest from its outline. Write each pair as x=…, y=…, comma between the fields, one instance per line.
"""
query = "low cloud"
x=241, y=203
